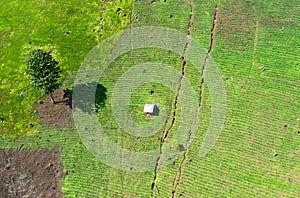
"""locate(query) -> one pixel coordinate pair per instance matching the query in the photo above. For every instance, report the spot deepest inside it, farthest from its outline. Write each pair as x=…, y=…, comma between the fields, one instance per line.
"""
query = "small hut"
x=149, y=109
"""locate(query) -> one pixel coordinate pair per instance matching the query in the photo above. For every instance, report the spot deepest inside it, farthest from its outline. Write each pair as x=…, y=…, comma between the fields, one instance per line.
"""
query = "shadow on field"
x=155, y=111
x=85, y=90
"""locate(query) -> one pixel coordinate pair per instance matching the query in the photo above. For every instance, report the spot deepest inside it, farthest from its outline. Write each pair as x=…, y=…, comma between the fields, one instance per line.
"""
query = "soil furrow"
x=212, y=40
x=255, y=42
x=177, y=179
x=132, y=12
x=253, y=55
x=166, y=132
x=180, y=171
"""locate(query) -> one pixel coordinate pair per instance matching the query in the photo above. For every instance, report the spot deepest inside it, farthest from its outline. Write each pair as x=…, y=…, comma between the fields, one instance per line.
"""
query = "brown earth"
x=55, y=116
x=27, y=173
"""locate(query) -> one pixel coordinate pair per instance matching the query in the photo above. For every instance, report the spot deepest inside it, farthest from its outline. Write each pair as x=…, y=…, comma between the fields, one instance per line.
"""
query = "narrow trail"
x=166, y=132
x=255, y=42
x=212, y=41
x=212, y=36
x=177, y=179
x=253, y=54
x=132, y=12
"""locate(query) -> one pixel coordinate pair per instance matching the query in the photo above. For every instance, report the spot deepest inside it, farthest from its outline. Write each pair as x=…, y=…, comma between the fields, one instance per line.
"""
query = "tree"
x=43, y=72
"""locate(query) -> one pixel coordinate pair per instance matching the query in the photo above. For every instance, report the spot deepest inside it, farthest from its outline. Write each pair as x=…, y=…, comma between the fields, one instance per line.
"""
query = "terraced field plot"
x=255, y=46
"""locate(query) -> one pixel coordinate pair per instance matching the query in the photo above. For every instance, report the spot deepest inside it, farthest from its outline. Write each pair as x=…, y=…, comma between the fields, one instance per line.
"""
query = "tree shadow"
x=100, y=95
x=155, y=111
x=84, y=92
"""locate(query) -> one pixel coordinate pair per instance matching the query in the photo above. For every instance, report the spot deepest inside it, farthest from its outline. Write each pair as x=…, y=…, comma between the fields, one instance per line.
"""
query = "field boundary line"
x=253, y=54
x=213, y=32
x=184, y=63
x=177, y=179
x=132, y=12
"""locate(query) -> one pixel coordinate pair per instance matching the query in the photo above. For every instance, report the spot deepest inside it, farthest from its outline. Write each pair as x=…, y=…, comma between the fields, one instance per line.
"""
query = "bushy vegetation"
x=43, y=72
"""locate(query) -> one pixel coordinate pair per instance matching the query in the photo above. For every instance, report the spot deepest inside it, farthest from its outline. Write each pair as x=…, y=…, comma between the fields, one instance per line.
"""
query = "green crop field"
x=30, y=25
x=255, y=45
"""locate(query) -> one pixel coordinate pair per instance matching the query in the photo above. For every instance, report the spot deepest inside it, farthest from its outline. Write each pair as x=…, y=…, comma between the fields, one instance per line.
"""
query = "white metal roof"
x=149, y=108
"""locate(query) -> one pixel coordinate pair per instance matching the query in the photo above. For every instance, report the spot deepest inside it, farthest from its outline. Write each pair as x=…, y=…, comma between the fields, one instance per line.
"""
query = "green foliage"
x=42, y=25
x=241, y=164
x=43, y=71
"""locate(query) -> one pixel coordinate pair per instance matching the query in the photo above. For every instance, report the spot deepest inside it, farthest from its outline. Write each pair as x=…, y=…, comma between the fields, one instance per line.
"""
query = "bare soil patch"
x=57, y=116
x=27, y=173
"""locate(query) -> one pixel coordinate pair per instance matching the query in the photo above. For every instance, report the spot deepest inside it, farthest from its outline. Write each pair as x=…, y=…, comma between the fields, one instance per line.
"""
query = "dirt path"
x=255, y=41
x=166, y=132
x=212, y=40
x=213, y=31
x=253, y=54
x=132, y=12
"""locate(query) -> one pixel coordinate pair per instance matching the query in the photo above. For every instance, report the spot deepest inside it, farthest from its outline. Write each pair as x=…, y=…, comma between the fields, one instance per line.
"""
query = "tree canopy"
x=43, y=71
